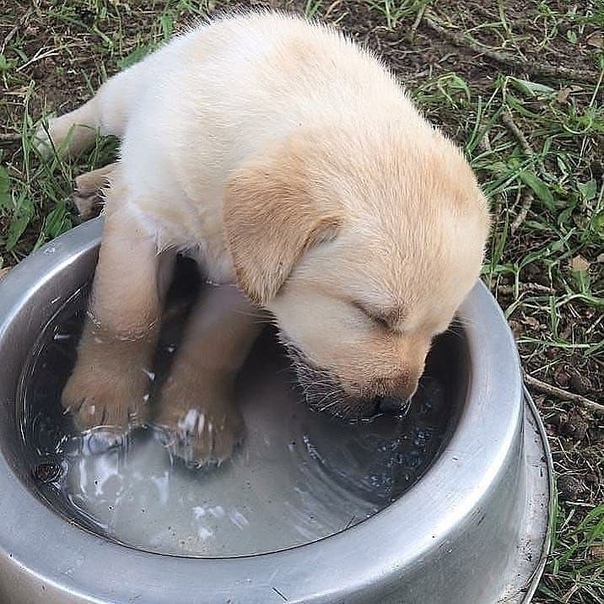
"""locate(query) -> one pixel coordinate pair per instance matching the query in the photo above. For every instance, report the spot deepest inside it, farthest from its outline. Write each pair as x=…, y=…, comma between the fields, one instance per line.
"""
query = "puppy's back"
x=221, y=93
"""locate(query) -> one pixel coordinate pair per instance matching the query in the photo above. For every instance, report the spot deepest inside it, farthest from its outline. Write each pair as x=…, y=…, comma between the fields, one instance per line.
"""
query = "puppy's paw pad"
x=88, y=206
x=88, y=195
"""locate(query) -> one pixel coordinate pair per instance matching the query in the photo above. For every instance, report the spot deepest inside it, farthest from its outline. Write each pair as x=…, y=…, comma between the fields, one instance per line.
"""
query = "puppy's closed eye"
x=386, y=318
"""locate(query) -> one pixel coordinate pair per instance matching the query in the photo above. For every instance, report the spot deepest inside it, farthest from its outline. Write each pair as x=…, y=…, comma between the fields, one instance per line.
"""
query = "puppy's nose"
x=392, y=405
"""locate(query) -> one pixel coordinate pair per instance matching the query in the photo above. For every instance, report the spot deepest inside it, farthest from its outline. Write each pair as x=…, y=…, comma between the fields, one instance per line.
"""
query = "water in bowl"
x=298, y=477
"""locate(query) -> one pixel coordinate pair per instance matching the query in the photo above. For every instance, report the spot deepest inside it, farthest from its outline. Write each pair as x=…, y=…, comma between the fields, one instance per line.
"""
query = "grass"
x=576, y=569
x=551, y=163
x=542, y=142
x=518, y=84
x=394, y=12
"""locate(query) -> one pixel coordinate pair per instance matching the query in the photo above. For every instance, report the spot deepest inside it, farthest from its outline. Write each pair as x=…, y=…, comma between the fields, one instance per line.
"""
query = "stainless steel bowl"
x=474, y=528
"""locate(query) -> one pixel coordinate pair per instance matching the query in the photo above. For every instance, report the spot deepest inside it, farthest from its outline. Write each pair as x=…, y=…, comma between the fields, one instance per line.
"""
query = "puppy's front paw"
x=96, y=398
x=202, y=434
x=108, y=387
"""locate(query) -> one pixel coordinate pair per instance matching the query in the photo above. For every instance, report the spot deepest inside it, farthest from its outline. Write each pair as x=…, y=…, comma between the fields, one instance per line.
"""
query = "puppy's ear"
x=271, y=220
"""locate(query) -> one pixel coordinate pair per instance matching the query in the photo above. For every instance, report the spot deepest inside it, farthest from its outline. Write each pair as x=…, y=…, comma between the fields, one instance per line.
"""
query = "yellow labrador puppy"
x=289, y=162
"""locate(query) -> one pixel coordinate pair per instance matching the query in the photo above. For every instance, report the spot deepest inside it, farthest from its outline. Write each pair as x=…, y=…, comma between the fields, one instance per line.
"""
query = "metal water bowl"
x=471, y=526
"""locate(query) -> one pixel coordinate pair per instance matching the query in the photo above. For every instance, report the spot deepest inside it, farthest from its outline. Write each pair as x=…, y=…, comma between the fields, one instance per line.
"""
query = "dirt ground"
x=418, y=46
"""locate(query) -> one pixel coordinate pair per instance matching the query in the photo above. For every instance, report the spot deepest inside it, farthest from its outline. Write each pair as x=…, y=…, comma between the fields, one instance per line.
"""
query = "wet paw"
x=200, y=437
x=109, y=392
x=88, y=206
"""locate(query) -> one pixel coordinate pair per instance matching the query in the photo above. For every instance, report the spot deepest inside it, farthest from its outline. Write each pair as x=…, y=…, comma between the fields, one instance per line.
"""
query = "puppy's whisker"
x=259, y=317
x=461, y=322
x=328, y=395
x=328, y=406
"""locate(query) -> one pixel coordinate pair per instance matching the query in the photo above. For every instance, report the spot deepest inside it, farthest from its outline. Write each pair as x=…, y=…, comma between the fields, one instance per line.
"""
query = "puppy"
x=290, y=162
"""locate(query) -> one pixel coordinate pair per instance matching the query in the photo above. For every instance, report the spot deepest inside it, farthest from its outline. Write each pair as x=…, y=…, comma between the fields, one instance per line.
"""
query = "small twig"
x=527, y=196
x=529, y=67
x=508, y=120
x=7, y=136
x=561, y=394
x=9, y=37
x=527, y=202
x=11, y=34
x=39, y=56
x=331, y=7
x=485, y=142
x=524, y=287
x=418, y=20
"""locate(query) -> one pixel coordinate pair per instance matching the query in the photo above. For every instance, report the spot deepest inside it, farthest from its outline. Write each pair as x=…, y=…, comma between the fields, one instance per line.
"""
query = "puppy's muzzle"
x=392, y=405
x=325, y=393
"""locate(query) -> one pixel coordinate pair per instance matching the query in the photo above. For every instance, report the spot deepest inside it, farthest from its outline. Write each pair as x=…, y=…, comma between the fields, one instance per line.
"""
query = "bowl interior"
x=298, y=477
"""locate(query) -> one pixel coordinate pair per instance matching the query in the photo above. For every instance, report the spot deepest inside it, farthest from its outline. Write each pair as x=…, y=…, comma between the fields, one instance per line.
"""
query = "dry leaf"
x=530, y=322
x=596, y=552
x=578, y=264
x=563, y=94
x=516, y=328
x=596, y=39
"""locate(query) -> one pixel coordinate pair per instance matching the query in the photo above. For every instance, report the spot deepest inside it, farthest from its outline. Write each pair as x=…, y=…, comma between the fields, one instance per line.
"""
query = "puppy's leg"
x=110, y=383
x=87, y=196
x=196, y=408
x=107, y=113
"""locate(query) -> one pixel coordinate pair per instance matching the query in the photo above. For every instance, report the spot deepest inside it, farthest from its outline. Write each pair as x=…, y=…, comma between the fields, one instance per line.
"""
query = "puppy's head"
x=363, y=247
